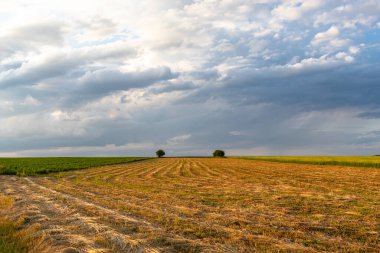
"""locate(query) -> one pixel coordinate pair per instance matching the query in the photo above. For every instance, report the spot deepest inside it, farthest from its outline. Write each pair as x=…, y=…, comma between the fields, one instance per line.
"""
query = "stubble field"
x=202, y=205
x=353, y=161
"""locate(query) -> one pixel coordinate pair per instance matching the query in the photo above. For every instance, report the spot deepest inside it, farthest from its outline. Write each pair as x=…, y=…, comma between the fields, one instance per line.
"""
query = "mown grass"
x=236, y=205
x=34, y=166
x=8, y=244
x=355, y=161
x=14, y=238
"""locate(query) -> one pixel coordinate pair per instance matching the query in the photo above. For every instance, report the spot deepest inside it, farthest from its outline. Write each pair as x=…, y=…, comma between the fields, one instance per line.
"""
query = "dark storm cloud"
x=344, y=86
x=101, y=83
x=61, y=63
x=171, y=86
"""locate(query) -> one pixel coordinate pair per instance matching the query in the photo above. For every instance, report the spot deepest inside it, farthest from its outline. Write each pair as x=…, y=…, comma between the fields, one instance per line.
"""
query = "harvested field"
x=353, y=161
x=203, y=205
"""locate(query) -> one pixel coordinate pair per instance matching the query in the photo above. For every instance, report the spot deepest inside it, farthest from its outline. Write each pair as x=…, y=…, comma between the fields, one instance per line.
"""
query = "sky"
x=125, y=78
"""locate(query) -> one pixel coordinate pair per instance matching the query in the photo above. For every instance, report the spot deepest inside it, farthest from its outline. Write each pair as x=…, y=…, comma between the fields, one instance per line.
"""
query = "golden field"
x=355, y=161
x=202, y=205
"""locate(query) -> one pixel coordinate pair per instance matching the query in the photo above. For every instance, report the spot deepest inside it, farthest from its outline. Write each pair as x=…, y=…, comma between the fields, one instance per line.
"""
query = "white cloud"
x=328, y=35
x=288, y=12
x=322, y=62
x=344, y=56
x=178, y=139
x=31, y=101
x=354, y=50
x=6, y=105
x=64, y=116
x=295, y=9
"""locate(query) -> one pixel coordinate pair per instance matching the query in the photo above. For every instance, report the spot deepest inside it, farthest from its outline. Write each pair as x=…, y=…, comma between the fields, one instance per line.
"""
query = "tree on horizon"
x=160, y=153
x=218, y=153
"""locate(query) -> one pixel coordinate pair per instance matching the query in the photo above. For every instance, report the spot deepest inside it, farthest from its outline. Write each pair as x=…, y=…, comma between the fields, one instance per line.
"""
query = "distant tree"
x=160, y=153
x=218, y=153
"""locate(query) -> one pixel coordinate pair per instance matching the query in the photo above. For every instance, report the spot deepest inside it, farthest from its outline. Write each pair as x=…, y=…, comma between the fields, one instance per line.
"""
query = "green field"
x=356, y=161
x=34, y=166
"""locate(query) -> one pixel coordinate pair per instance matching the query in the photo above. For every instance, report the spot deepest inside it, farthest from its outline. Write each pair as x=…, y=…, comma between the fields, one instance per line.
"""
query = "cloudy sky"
x=116, y=77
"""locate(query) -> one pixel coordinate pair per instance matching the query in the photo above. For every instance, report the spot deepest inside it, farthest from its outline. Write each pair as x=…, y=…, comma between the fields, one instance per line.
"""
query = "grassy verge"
x=355, y=161
x=34, y=166
x=14, y=238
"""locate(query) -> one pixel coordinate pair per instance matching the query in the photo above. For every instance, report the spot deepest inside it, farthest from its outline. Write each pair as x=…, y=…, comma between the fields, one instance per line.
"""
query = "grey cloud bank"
x=91, y=78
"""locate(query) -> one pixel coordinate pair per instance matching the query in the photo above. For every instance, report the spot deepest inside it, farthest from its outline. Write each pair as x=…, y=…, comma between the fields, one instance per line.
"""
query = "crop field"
x=202, y=205
x=34, y=166
x=356, y=161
